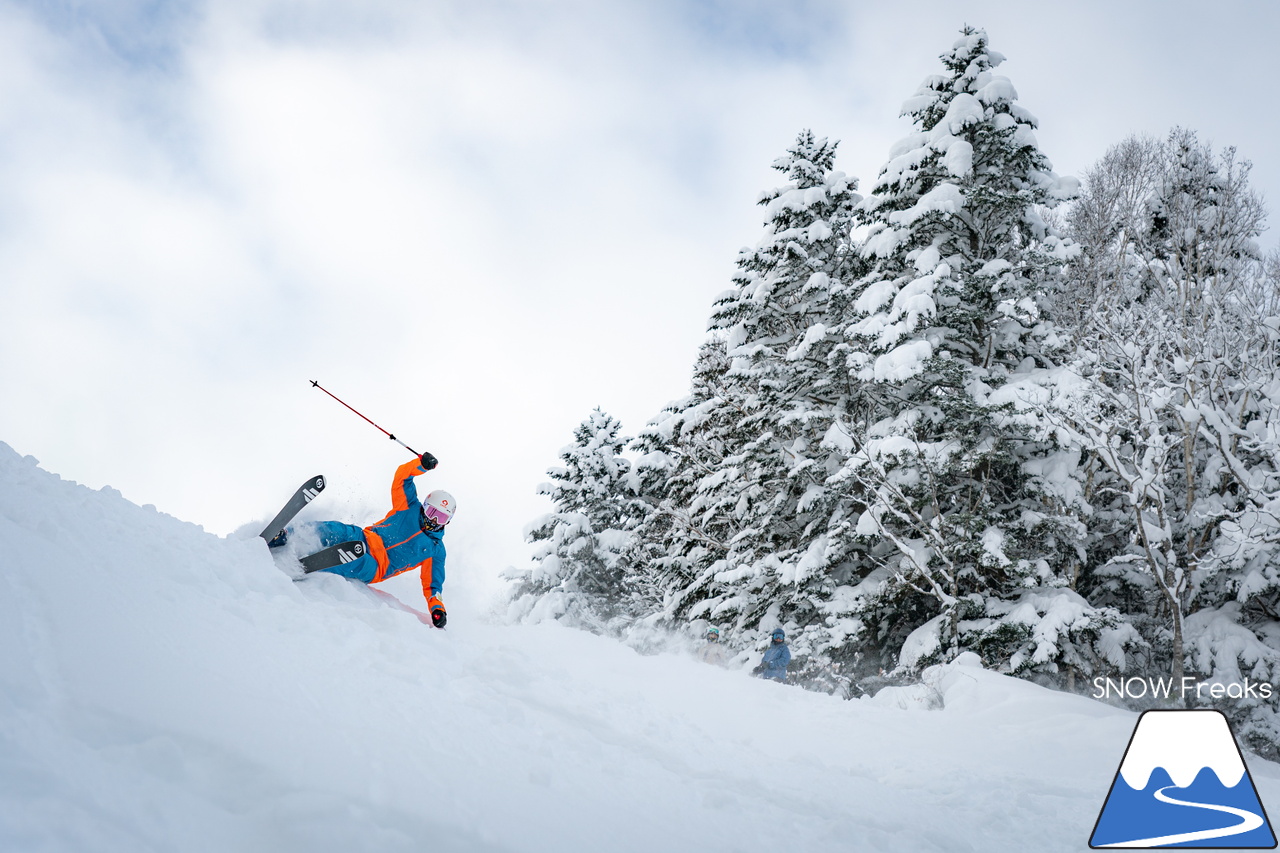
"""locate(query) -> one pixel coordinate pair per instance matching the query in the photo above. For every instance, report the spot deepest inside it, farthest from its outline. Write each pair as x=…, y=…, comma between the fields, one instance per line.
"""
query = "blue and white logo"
x=1183, y=783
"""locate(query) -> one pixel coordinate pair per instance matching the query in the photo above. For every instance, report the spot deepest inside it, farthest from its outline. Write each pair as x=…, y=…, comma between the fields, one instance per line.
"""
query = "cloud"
x=476, y=221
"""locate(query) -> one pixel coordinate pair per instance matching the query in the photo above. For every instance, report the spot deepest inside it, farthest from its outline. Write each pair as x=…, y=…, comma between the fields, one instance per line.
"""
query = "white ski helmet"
x=437, y=510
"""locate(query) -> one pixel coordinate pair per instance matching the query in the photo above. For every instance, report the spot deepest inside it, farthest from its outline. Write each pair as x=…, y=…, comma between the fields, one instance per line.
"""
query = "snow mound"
x=963, y=686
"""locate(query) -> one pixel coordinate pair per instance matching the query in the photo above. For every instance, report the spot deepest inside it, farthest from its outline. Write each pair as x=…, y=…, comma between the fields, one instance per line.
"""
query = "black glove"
x=438, y=617
x=759, y=669
x=429, y=461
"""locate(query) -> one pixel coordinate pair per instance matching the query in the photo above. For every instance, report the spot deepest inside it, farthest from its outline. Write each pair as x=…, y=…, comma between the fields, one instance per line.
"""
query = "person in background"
x=776, y=657
x=713, y=652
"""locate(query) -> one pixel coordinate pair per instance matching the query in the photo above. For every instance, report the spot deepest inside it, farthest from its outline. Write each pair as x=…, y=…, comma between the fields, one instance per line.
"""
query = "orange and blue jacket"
x=398, y=544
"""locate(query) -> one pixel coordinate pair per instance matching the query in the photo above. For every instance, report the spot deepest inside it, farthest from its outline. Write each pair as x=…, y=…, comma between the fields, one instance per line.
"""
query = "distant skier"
x=776, y=658
x=408, y=537
x=713, y=652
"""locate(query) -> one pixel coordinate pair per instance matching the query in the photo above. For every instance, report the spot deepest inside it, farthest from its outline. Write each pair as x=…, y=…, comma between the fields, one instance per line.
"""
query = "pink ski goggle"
x=437, y=516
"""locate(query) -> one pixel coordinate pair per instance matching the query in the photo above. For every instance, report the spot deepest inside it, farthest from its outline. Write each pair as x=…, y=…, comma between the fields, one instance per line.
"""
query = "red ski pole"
x=315, y=384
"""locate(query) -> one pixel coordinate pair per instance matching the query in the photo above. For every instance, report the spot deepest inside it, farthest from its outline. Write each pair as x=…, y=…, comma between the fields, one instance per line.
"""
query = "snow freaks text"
x=1164, y=688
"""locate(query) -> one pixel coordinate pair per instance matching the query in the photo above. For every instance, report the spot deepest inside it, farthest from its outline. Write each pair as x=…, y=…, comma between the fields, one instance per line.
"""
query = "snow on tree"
x=1105, y=221
x=964, y=508
x=1173, y=394
x=734, y=528
x=578, y=575
x=683, y=537
x=925, y=422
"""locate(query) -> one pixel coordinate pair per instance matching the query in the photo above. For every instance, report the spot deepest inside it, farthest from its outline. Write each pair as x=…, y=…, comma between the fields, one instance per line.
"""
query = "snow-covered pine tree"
x=965, y=508
x=735, y=525
x=684, y=534
x=578, y=576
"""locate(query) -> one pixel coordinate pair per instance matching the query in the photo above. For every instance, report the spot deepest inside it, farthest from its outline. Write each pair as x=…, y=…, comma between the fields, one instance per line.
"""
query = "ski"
x=305, y=494
x=334, y=556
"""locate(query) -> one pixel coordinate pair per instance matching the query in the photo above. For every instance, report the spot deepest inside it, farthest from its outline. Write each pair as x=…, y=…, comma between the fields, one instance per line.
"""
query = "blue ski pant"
x=335, y=533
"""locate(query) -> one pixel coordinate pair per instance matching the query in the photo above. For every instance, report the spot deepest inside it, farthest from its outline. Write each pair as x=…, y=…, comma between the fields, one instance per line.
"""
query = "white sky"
x=475, y=221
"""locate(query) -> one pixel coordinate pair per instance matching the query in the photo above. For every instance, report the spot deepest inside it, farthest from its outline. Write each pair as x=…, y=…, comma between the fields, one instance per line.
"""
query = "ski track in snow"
x=164, y=689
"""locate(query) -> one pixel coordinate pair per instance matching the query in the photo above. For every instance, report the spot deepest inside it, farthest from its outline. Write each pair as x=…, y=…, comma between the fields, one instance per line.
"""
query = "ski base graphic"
x=337, y=555
x=305, y=494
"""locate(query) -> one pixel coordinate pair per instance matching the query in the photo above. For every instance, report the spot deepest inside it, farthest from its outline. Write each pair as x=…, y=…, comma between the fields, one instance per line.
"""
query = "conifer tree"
x=746, y=442
x=683, y=537
x=578, y=575
x=963, y=506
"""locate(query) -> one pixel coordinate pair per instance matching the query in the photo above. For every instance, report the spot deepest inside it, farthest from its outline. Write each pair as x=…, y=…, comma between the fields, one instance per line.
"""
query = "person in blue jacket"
x=410, y=536
x=776, y=658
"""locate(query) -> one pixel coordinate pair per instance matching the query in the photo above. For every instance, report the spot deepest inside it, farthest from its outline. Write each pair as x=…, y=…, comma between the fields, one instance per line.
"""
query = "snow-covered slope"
x=165, y=689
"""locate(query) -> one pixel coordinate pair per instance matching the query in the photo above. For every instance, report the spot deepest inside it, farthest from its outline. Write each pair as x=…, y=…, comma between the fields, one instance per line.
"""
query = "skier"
x=409, y=536
x=776, y=658
x=713, y=652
